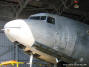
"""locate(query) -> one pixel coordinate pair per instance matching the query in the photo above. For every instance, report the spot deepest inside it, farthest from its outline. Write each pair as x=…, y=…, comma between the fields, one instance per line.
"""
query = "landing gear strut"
x=31, y=59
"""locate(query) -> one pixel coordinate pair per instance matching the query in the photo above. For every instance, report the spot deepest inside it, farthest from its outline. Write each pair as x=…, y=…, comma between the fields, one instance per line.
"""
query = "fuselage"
x=51, y=37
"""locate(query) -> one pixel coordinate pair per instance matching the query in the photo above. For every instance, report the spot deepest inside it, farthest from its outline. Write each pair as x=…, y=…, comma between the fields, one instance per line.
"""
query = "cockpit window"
x=43, y=17
x=51, y=20
x=38, y=17
x=35, y=17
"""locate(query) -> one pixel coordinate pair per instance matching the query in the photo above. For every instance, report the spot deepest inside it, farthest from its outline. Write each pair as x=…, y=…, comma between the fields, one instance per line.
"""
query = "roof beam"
x=76, y=12
x=22, y=7
x=20, y=2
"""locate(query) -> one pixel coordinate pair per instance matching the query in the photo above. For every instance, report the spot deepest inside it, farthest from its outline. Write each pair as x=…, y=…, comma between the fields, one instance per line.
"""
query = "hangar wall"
x=7, y=49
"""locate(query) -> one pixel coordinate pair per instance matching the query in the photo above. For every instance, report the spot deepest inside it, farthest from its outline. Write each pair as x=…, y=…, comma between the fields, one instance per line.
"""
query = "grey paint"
x=67, y=36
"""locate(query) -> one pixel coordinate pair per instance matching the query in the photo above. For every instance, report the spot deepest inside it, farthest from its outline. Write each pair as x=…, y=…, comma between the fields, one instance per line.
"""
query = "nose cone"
x=19, y=30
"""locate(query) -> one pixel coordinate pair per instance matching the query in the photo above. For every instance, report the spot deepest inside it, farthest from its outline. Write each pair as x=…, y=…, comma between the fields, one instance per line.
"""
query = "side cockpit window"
x=51, y=20
x=38, y=18
x=35, y=17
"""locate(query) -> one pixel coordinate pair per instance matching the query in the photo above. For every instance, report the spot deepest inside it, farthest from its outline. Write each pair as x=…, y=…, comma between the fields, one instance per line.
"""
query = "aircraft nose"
x=11, y=25
x=18, y=30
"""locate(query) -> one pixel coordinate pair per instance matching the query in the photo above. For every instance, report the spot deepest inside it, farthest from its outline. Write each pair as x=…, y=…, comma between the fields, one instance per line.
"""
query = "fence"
x=8, y=52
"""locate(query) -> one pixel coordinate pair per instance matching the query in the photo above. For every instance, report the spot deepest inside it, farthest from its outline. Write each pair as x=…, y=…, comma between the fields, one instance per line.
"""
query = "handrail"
x=12, y=62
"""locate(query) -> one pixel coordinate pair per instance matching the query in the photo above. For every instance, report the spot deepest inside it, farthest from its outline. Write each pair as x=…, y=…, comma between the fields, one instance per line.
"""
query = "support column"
x=55, y=65
x=16, y=48
x=16, y=51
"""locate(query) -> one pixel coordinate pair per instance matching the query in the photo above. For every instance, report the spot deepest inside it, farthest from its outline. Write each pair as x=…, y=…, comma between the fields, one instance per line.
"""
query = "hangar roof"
x=60, y=7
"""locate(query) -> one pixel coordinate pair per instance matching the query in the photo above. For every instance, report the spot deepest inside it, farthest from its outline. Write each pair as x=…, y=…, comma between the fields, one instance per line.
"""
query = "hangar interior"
x=14, y=9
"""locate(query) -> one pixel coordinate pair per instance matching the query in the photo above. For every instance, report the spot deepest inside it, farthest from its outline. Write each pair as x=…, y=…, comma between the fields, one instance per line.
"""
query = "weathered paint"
x=66, y=36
